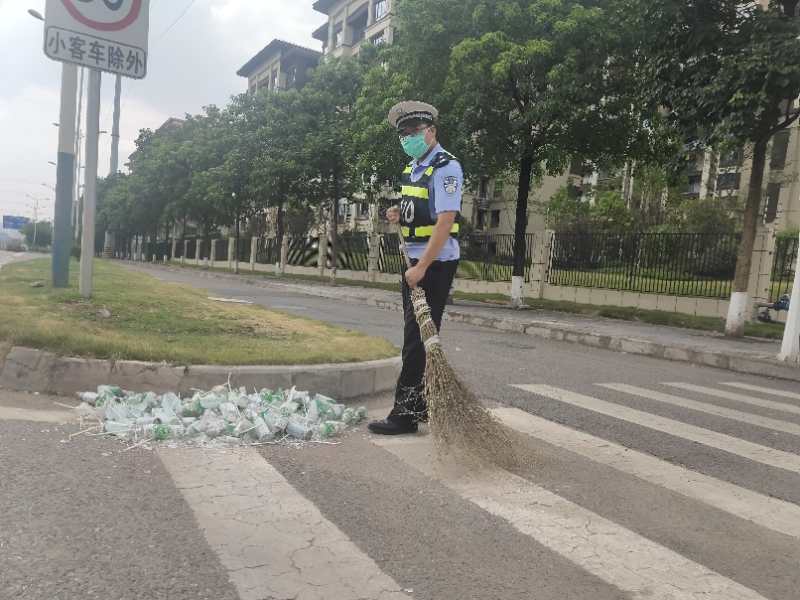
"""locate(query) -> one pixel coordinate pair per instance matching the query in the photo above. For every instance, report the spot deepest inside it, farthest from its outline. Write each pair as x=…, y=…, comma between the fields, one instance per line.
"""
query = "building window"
x=379, y=39
x=773, y=197
x=495, y=218
x=484, y=190
x=292, y=76
x=381, y=9
x=780, y=146
x=731, y=158
x=481, y=219
x=728, y=181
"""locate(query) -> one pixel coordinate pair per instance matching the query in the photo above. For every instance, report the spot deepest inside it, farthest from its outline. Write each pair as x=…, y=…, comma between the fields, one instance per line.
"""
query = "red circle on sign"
x=133, y=14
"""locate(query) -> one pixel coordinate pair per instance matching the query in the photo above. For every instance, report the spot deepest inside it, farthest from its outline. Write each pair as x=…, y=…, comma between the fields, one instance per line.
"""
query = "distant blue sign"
x=16, y=223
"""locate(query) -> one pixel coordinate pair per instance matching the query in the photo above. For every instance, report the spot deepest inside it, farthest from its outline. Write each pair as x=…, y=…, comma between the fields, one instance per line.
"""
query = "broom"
x=456, y=417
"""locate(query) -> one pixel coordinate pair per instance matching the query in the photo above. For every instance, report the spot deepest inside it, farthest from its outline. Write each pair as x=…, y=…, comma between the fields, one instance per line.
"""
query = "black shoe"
x=393, y=427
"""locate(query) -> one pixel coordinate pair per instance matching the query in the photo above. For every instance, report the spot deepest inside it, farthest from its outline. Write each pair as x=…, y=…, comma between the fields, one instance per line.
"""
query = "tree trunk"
x=236, y=247
x=334, y=237
x=521, y=228
x=280, y=224
x=740, y=308
x=335, y=228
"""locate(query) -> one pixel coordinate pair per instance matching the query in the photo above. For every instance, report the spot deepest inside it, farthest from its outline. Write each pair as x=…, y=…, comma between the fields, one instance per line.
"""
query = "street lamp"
x=35, y=14
x=50, y=162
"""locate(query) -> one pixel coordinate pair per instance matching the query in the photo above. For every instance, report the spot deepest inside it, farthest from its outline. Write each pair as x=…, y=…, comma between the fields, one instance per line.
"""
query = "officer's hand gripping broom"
x=457, y=419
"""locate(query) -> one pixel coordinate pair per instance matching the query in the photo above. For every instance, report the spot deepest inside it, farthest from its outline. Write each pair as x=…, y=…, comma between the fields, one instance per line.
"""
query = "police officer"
x=431, y=201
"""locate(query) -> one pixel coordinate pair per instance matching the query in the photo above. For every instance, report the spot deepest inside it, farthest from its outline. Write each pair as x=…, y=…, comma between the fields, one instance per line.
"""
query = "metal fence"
x=352, y=251
x=268, y=252
x=390, y=259
x=162, y=249
x=679, y=264
x=303, y=252
x=786, y=249
x=491, y=257
x=221, y=251
x=244, y=248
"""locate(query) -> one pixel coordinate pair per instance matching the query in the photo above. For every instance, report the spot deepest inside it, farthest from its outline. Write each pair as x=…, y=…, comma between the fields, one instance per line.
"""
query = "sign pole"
x=90, y=190
x=790, y=350
x=115, y=129
x=62, y=225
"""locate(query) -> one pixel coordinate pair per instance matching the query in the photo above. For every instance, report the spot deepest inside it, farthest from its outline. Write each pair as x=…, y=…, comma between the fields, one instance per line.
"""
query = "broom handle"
x=403, y=247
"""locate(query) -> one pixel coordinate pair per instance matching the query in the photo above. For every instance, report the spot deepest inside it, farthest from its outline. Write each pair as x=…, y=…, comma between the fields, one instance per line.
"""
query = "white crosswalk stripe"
x=726, y=395
x=763, y=390
x=641, y=568
x=274, y=542
x=711, y=409
x=772, y=513
x=720, y=441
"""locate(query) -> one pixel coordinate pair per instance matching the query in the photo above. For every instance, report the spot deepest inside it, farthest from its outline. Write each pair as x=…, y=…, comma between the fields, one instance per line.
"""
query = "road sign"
x=107, y=35
x=16, y=223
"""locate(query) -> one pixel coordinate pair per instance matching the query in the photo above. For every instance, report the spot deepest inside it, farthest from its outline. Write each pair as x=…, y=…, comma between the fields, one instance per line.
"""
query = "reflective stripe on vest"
x=415, y=191
x=426, y=232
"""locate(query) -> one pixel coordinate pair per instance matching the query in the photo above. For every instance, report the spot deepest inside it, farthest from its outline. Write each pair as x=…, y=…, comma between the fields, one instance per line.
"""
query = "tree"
x=727, y=71
x=38, y=235
x=529, y=85
x=326, y=109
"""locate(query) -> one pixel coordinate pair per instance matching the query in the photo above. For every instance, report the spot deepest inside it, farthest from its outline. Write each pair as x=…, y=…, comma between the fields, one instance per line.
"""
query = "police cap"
x=411, y=110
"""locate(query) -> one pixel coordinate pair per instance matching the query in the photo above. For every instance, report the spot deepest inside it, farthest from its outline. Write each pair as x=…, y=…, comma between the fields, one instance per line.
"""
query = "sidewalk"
x=749, y=355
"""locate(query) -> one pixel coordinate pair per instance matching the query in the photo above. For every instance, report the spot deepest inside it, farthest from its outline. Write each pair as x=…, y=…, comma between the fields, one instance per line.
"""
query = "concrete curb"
x=29, y=370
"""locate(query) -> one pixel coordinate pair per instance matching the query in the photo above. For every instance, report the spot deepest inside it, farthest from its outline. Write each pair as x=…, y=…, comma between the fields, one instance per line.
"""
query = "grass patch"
x=155, y=321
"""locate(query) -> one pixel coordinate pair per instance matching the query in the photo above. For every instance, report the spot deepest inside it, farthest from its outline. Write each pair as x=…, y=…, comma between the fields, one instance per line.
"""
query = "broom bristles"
x=457, y=418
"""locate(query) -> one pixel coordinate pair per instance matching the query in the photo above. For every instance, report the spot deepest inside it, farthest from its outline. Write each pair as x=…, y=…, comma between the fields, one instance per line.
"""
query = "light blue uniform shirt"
x=441, y=200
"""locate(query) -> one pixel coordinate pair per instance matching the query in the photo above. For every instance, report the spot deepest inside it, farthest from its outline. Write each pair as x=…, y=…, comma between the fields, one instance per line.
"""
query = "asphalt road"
x=646, y=491
x=9, y=257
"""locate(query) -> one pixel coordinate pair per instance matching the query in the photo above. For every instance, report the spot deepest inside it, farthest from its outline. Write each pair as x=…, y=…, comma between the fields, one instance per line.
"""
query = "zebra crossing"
x=593, y=519
x=625, y=556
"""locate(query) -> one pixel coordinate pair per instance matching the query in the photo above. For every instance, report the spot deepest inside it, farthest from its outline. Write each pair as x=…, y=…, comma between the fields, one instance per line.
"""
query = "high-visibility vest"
x=416, y=221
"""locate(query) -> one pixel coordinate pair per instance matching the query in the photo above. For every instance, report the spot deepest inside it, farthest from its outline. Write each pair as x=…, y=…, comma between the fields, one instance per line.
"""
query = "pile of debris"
x=224, y=414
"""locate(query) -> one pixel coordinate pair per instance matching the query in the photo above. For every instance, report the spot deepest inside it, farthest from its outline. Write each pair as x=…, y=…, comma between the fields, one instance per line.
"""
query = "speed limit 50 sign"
x=107, y=35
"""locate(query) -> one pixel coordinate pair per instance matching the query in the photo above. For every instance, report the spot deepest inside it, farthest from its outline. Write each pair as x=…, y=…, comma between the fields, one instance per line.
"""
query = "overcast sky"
x=193, y=63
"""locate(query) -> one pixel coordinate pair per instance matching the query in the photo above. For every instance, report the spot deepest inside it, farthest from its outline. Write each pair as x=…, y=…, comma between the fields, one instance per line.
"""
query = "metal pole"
x=115, y=130
x=65, y=170
x=790, y=349
x=35, y=219
x=77, y=198
x=90, y=191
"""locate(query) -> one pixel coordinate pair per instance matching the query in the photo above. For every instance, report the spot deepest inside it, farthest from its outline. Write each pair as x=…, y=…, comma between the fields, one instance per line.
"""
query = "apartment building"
x=728, y=174
x=351, y=23
x=279, y=66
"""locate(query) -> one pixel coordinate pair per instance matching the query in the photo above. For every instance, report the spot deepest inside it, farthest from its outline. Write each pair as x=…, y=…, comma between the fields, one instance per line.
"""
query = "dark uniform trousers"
x=409, y=397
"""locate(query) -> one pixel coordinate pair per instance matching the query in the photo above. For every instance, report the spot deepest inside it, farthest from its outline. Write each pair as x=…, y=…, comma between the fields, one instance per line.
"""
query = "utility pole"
x=109, y=242
x=114, y=168
x=90, y=190
x=65, y=167
x=35, y=207
x=75, y=207
x=790, y=349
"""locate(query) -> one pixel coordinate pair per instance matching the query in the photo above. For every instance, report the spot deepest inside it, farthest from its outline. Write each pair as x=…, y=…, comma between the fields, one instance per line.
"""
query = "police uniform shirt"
x=445, y=190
